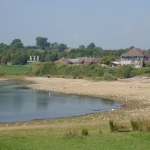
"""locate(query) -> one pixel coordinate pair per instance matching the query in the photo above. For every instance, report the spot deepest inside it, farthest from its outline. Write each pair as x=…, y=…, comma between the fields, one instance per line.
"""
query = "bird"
x=49, y=93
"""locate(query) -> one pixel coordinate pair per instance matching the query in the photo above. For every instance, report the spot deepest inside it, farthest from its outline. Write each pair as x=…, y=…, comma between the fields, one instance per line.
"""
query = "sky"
x=109, y=24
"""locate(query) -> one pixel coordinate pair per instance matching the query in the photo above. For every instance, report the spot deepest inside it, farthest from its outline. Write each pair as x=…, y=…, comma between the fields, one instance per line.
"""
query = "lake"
x=19, y=103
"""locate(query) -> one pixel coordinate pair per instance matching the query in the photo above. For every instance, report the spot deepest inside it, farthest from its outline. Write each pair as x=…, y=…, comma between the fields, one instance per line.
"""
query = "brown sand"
x=134, y=93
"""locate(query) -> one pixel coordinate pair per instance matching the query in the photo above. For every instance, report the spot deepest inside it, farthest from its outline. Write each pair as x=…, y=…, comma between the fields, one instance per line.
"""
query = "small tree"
x=107, y=60
x=4, y=60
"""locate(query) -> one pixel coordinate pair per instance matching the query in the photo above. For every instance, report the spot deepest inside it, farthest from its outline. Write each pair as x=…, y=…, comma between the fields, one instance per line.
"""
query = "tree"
x=54, y=45
x=81, y=47
x=42, y=42
x=91, y=46
x=62, y=47
x=16, y=43
x=19, y=59
x=4, y=60
x=107, y=60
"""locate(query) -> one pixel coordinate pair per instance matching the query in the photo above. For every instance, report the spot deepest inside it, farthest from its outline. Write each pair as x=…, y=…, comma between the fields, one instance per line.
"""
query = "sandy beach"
x=134, y=93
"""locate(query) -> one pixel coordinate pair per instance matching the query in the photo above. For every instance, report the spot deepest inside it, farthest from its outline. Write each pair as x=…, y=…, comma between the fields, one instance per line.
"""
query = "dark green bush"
x=84, y=132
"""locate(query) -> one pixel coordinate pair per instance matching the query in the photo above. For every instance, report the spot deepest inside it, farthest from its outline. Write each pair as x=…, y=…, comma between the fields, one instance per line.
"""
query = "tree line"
x=18, y=54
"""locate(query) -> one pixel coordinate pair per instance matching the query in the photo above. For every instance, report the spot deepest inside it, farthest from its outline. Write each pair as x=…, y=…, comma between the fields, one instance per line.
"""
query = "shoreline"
x=133, y=93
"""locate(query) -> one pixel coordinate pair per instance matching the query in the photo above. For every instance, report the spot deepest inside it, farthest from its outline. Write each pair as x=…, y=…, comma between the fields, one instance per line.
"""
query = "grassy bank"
x=47, y=138
x=17, y=70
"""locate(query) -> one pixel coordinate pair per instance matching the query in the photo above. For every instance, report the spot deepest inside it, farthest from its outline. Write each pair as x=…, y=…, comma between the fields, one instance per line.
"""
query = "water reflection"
x=18, y=103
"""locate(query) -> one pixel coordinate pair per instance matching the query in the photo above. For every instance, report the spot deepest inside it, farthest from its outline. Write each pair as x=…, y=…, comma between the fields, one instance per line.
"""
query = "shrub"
x=108, y=76
x=124, y=71
x=84, y=132
x=117, y=127
x=140, y=124
x=111, y=124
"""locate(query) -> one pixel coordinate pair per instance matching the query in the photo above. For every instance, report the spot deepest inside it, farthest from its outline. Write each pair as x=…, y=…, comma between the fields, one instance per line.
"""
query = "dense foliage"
x=96, y=72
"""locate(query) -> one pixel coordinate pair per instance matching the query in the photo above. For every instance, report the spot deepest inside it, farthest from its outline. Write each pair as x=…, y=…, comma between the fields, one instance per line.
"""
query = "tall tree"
x=62, y=47
x=16, y=43
x=42, y=42
x=91, y=46
x=81, y=47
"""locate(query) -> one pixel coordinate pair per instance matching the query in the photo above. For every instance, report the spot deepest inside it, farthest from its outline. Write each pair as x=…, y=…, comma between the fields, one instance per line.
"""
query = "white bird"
x=49, y=93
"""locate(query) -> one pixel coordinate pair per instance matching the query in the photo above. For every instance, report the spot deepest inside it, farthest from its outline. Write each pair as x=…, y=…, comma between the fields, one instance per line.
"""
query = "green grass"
x=17, y=69
x=31, y=64
x=55, y=139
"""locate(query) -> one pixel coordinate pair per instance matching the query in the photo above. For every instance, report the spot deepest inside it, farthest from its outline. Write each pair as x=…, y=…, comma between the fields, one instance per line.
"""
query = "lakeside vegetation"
x=95, y=71
x=51, y=69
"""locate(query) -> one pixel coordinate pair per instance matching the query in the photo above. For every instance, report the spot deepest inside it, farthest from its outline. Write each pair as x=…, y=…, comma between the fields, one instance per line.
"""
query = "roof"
x=81, y=59
x=137, y=52
x=92, y=60
x=65, y=60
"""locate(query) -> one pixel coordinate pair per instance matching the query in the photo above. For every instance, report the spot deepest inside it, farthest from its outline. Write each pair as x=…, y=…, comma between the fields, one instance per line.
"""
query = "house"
x=64, y=60
x=136, y=57
x=81, y=60
x=89, y=61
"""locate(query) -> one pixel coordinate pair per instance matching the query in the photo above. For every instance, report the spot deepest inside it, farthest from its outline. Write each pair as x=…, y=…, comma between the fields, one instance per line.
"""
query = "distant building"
x=136, y=57
x=81, y=60
x=89, y=61
x=64, y=60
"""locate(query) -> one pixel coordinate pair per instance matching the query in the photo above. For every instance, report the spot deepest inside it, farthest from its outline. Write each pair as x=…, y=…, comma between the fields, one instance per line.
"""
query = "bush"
x=140, y=71
x=84, y=132
x=124, y=71
x=117, y=128
x=140, y=124
x=108, y=76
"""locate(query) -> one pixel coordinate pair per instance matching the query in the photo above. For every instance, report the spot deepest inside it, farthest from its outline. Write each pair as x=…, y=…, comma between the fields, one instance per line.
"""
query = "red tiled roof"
x=137, y=52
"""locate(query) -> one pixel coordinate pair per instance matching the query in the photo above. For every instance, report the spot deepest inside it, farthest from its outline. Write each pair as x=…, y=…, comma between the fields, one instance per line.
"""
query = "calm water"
x=18, y=103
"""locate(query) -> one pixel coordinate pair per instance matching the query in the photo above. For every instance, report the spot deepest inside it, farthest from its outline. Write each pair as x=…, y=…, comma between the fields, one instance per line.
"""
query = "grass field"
x=17, y=69
x=55, y=138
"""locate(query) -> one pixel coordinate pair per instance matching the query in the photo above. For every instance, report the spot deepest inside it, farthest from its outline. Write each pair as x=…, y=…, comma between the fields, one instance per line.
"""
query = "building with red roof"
x=136, y=57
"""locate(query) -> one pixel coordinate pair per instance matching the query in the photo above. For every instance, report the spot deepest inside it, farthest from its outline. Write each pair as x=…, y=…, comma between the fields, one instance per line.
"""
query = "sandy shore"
x=134, y=93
